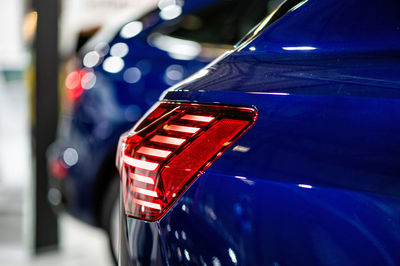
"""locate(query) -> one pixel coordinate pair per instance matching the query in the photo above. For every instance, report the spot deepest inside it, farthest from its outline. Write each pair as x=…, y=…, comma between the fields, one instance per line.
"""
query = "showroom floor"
x=79, y=244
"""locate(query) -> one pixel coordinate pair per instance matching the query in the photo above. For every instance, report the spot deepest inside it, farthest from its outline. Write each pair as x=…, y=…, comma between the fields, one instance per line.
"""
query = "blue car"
x=118, y=80
x=285, y=151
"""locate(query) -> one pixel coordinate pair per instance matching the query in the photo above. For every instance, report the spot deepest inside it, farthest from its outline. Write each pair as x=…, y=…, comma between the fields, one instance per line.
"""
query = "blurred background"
x=64, y=27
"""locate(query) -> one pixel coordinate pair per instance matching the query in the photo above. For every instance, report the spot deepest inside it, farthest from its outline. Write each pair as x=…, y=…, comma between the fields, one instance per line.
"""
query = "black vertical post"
x=45, y=120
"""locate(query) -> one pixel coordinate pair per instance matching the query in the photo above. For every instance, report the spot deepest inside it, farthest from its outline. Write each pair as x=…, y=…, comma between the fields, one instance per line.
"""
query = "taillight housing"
x=170, y=147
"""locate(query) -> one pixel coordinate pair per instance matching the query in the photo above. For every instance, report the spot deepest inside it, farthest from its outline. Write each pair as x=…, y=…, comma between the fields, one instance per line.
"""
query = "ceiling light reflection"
x=232, y=255
x=269, y=93
x=299, y=48
x=216, y=262
x=170, y=12
x=240, y=148
x=164, y=3
x=88, y=80
x=70, y=156
x=113, y=64
x=186, y=254
x=298, y=5
x=175, y=72
x=91, y=59
x=176, y=48
x=131, y=29
x=132, y=75
x=183, y=234
x=305, y=186
x=119, y=49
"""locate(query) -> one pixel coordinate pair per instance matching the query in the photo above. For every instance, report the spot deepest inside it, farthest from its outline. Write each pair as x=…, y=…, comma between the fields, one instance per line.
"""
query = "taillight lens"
x=160, y=157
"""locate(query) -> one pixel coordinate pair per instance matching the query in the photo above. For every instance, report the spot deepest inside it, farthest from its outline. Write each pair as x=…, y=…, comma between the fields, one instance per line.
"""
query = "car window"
x=222, y=23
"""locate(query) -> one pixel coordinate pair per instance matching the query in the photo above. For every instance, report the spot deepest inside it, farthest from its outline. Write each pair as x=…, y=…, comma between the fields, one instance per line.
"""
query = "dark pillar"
x=45, y=120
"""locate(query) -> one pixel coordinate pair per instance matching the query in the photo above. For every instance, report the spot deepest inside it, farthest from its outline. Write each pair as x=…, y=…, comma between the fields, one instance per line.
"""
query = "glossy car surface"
x=315, y=181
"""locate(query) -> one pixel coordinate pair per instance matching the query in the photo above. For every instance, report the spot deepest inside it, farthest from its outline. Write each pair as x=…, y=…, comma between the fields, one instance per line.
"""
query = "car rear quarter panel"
x=314, y=181
x=317, y=184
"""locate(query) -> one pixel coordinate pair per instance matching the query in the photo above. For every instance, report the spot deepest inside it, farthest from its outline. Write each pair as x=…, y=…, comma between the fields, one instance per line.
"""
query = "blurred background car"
x=282, y=152
x=120, y=75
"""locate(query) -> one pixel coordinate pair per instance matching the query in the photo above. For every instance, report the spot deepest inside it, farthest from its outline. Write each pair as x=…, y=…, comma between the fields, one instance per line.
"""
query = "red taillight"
x=58, y=169
x=171, y=146
x=75, y=83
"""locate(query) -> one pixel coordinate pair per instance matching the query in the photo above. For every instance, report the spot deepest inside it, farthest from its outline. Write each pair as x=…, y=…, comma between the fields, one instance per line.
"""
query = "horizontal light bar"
x=198, y=118
x=140, y=164
x=305, y=186
x=153, y=152
x=147, y=204
x=182, y=129
x=146, y=192
x=142, y=178
x=299, y=48
x=168, y=140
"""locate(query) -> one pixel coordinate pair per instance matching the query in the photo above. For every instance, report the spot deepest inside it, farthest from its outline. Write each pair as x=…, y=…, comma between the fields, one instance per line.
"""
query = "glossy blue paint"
x=251, y=221
x=334, y=26
x=318, y=183
x=361, y=75
x=306, y=137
